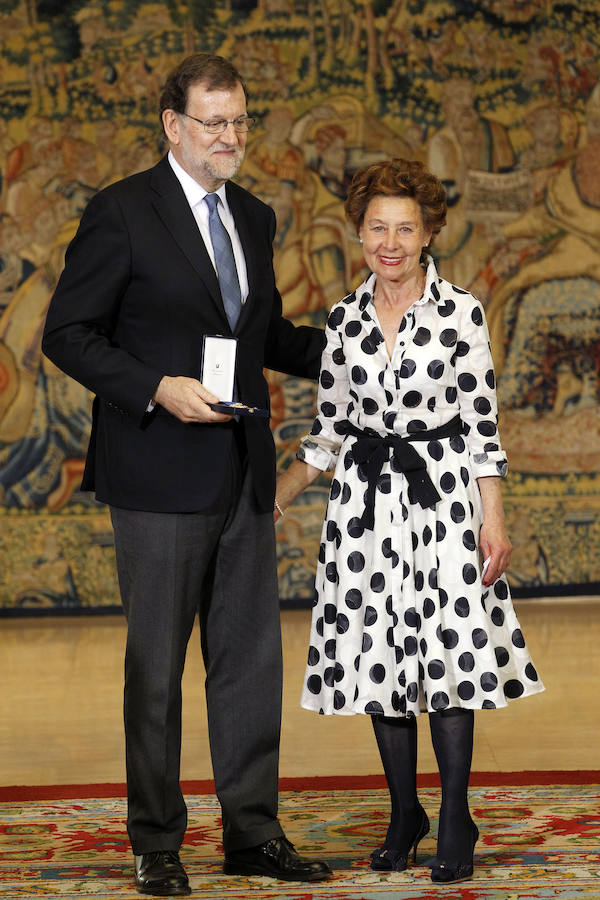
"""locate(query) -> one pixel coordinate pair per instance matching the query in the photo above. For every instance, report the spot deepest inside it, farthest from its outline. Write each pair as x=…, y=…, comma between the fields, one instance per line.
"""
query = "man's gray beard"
x=219, y=172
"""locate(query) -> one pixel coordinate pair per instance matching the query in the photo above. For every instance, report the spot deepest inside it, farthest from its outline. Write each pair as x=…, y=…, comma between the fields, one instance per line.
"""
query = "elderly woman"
x=413, y=610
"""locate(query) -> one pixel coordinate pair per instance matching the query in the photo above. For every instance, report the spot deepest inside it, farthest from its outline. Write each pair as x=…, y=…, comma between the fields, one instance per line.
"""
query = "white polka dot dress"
x=402, y=621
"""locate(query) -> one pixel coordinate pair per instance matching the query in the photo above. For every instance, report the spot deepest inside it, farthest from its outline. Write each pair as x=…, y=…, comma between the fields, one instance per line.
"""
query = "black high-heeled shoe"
x=446, y=873
x=391, y=859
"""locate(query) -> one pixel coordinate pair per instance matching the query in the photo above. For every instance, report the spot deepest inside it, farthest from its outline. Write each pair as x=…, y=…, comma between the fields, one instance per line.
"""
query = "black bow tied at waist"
x=373, y=450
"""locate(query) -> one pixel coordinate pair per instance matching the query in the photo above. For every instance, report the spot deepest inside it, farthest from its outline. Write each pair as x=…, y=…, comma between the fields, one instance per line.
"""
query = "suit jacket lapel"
x=171, y=205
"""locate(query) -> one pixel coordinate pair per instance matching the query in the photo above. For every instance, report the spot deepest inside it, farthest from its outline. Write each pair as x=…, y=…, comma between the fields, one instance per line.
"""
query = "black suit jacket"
x=137, y=295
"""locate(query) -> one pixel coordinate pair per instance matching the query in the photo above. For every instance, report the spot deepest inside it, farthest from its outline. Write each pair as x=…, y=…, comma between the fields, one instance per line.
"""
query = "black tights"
x=452, y=738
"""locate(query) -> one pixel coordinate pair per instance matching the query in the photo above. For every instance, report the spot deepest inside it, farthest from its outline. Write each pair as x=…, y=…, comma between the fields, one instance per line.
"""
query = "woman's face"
x=393, y=236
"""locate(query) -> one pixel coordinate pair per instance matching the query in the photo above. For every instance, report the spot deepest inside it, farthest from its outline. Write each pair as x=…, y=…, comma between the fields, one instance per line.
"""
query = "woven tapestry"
x=500, y=99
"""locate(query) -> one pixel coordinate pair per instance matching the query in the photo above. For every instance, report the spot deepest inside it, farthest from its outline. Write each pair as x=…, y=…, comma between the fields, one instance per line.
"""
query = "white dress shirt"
x=195, y=195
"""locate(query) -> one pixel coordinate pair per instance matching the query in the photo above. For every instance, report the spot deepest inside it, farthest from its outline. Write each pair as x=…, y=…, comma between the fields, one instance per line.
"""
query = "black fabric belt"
x=373, y=450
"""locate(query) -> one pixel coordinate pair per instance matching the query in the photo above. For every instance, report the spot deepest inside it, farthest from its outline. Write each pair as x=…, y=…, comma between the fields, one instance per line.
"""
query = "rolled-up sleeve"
x=321, y=447
x=476, y=387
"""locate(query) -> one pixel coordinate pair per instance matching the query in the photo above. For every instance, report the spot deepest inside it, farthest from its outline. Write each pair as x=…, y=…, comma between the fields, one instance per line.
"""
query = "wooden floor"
x=62, y=700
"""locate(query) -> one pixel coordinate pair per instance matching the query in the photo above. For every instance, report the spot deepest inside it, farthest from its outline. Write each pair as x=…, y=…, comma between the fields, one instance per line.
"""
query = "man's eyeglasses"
x=218, y=126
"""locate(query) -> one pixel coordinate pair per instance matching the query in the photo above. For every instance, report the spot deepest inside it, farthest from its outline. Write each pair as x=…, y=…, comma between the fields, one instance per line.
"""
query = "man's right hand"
x=187, y=399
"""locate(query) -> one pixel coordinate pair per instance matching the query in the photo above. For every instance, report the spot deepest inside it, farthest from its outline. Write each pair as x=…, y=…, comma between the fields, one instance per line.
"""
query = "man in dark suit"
x=191, y=490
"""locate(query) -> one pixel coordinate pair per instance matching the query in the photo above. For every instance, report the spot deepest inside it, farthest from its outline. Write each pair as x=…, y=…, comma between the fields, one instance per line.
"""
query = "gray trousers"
x=223, y=566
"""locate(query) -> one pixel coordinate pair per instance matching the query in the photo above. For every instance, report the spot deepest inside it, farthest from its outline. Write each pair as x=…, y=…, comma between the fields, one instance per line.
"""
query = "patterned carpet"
x=537, y=841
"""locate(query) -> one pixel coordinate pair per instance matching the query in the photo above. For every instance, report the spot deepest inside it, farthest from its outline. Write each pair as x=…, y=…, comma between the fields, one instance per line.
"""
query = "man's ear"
x=172, y=125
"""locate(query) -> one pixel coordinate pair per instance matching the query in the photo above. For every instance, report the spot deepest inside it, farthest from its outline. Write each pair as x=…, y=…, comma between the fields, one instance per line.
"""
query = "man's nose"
x=230, y=135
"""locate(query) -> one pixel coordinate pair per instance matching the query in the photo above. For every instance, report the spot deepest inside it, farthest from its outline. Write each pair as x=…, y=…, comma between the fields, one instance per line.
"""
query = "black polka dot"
x=449, y=638
x=469, y=573
x=457, y=443
x=466, y=690
x=331, y=572
x=435, y=450
x=422, y=337
x=468, y=539
x=377, y=673
x=439, y=701
x=477, y=316
x=466, y=662
x=329, y=613
x=411, y=399
x=448, y=337
x=377, y=582
x=367, y=643
x=313, y=683
x=370, y=616
x=358, y=375
x=355, y=527
x=410, y=645
x=373, y=708
x=327, y=379
x=339, y=700
x=352, y=328
x=530, y=671
x=518, y=639
x=428, y=607
x=328, y=409
x=501, y=590
x=467, y=382
x=412, y=618
x=482, y=406
x=368, y=346
x=513, y=689
x=412, y=692
x=488, y=682
x=353, y=598
x=384, y=484
x=486, y=428
x=336, y=317
x=436, y=669
x=330, y=646
x=356, y=561
x=446, y=308
x=342, y=623
x=313, y=656
x=497, y=616
x=502, y=656
x=447, y=482
x=479, y=638
x=408, y=368
x=435, y=369
x=462, y=608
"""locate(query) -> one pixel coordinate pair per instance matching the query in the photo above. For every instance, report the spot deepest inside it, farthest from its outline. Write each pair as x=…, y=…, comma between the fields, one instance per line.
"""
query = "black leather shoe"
x=276, y=858
x=161, y=874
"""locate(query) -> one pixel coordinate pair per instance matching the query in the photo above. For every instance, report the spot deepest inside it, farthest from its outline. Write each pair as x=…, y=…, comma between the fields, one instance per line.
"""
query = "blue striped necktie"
x=225, y=261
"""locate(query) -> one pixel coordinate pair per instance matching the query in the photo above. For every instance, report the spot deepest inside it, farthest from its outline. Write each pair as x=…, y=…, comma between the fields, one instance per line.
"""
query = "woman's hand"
x=495, y=546
x=493, y=539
